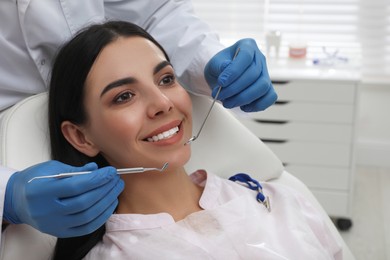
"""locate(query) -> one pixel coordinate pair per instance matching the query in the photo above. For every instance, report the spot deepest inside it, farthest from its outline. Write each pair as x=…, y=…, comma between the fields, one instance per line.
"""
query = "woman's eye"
x=123, y=97
x=167, y=80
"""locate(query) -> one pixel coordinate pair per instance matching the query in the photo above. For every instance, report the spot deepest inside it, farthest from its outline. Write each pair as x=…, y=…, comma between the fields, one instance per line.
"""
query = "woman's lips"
x=164, y=135
x=176, y=138
x=164, y=132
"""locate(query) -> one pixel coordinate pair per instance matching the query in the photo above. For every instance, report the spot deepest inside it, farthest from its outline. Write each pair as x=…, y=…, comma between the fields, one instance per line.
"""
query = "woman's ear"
x=75, y=135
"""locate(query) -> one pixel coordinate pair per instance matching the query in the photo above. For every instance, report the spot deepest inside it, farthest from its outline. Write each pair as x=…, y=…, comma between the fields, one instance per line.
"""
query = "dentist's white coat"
x=31, y=31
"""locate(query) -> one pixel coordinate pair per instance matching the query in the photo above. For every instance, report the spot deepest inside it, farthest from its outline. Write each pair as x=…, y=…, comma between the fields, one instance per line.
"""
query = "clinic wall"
x=373, y=125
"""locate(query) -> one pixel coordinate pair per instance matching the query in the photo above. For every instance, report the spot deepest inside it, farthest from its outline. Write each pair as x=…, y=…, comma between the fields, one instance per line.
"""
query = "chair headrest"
x=24, y=133
x=224, y=147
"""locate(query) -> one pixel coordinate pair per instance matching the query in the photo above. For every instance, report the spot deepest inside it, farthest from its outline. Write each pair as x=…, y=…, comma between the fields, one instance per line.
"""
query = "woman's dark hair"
x=66, y=102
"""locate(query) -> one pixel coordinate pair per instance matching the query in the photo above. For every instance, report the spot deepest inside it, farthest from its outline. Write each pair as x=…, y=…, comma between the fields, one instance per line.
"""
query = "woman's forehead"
x=123, y=56
x=134, y=46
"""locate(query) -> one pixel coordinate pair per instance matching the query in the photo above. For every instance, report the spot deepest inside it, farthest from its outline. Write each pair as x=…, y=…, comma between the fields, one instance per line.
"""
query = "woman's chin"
x=180, y=160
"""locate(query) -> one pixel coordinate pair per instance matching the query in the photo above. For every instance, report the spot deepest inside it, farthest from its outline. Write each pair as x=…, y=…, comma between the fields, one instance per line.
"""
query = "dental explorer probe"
x=119, y=171
x=211, y=107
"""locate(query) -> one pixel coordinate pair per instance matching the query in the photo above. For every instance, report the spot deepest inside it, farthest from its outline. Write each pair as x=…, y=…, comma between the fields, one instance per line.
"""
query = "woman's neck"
x=171, y=191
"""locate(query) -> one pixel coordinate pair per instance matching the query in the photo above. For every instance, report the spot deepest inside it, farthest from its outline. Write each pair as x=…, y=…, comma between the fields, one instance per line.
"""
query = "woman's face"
x=138, y=114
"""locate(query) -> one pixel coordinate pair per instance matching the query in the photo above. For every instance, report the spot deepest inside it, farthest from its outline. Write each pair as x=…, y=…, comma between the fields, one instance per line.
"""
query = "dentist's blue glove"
x=66, y=207
x=245, y=81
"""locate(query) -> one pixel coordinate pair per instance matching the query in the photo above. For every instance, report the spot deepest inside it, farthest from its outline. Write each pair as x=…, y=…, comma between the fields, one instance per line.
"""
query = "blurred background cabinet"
x=311, y=129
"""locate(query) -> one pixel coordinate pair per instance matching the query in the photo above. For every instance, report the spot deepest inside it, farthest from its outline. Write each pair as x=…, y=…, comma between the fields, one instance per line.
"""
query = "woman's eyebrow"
x=130, y=80
x=161, y=65
x=118, y=83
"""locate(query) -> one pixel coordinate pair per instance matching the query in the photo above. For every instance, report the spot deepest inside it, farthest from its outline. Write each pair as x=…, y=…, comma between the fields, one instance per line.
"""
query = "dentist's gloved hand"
x=66, y=207
x=245, y=81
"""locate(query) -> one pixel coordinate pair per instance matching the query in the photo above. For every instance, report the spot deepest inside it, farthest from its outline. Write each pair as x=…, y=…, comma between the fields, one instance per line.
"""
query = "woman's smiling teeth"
x=164, y=135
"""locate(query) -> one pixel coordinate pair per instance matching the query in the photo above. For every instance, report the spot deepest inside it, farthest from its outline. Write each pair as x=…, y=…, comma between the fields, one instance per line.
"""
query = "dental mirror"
x=211, y=107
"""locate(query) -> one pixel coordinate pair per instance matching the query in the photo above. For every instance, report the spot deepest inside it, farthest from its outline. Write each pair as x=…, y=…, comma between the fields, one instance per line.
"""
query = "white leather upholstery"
x=24, y=139
x=225, y=146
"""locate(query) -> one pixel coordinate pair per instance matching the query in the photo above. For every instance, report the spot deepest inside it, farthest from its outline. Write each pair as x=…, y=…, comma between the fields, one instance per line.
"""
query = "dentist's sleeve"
x=189, y=41
x=5, y=173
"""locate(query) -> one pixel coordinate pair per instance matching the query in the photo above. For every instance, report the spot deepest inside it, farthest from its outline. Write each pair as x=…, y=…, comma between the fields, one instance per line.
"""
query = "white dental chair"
x=225, y=146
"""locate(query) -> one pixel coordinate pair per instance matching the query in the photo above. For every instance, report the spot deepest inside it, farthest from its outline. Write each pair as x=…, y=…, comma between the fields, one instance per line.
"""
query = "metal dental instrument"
x=204, y=121
x=119, y=171
x=211, y=107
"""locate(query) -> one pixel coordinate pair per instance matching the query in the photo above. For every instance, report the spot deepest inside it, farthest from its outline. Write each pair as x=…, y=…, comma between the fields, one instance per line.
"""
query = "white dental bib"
x=233, y=225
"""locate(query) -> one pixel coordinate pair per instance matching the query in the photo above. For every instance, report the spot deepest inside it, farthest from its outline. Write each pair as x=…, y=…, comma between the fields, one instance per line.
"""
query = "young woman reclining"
x=114, y=100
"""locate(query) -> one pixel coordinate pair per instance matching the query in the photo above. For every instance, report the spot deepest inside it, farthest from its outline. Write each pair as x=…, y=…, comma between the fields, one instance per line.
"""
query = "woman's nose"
x=159, y=103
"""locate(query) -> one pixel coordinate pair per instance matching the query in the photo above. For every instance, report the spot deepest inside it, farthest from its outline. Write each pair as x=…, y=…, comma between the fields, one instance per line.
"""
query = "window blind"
x=323, y=26
x=358, y=30
x=233, y=19
x=374, y=35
